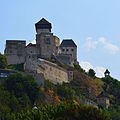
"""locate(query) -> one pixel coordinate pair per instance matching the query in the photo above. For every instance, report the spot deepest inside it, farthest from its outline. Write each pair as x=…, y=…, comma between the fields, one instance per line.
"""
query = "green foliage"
x=19, y=67
x=64, y=111
x=82, y=113
x=19, y=85
x=3, y=61
x=114, y=112
x=48, y=85
x=65, y=91
x=17, y=93
x=78, y=67
x=112, y=88
x=91, y=73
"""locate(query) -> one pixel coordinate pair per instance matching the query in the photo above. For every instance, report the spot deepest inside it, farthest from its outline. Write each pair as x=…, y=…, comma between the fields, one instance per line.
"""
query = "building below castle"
x=47, y=46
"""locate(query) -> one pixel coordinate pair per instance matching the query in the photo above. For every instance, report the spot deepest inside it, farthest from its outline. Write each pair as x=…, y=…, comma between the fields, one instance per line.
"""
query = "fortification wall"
x=52, y=72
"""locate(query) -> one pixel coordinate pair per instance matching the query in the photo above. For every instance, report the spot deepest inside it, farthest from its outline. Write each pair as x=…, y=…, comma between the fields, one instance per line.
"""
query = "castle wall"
x=46, y=45
x=15, y=51
x=39, y=31
x=52, y=72
x=72, y=51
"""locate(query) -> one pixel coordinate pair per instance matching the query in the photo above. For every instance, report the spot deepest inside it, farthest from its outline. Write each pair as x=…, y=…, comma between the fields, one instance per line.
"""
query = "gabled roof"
x=30, y=44
x=107, y=71
x=43, y=24
x=68, y=43
x=43, y=21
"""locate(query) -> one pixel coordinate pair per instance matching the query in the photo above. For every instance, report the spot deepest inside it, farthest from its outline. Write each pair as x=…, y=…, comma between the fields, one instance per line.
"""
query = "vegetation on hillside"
x=20, y=94
x=3, y=61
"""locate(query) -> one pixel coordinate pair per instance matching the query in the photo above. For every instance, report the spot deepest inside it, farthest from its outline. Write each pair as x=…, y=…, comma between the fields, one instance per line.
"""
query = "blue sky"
x=93, y=24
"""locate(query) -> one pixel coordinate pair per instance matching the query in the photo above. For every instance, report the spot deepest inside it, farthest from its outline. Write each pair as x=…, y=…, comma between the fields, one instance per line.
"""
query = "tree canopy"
x=3, y=61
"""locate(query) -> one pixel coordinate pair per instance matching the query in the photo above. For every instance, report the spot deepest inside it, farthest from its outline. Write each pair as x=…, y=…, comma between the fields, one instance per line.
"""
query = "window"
x=63, y=50
x=72, y=50
x=10, y=51
x=47, y=40
x=67, y=50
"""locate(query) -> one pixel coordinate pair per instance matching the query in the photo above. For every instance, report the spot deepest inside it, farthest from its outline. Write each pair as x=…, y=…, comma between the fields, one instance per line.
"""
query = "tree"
x=65, y=91
x=20, y=85
x=91, y=73
x=3, y=61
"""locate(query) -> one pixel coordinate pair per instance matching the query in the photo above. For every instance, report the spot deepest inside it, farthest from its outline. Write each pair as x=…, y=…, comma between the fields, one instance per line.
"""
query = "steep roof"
x=107, y=71
x=43, y=21
x=30, y=44
x=68, y=43
x=43, y=24
x=11, y=41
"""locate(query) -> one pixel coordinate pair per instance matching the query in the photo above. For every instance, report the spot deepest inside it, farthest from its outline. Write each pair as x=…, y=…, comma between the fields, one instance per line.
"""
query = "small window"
x=72, y=50
x=10, y=51
x=47, y=40
x=63, y=50
x=67, y=50
x=70, y=72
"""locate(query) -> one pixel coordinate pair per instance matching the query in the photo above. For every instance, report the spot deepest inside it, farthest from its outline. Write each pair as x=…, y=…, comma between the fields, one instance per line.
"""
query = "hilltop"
x=24, y=91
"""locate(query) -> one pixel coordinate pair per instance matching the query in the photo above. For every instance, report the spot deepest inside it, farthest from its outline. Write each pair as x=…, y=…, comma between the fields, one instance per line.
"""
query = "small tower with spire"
x=107, y=73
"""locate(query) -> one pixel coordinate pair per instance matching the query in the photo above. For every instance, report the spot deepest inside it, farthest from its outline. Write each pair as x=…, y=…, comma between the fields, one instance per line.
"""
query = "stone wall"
x=15, y=51
x=52, y=72
x=46, y=44
x=72, y=51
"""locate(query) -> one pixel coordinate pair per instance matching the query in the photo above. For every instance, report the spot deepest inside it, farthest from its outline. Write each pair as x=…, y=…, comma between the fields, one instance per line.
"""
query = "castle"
x=47, y=47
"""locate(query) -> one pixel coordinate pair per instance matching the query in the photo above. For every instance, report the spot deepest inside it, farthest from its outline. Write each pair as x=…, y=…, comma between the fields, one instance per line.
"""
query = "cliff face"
x=85, y=85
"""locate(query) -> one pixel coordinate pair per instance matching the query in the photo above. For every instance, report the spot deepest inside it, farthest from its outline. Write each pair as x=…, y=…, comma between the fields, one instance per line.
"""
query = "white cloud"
x=86, y=65
x=98, y=70
x=90, y=44
x=109, y=47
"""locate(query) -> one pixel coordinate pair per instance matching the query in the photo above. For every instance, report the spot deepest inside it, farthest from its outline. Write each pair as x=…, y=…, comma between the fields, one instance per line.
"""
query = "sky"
x=94, y=25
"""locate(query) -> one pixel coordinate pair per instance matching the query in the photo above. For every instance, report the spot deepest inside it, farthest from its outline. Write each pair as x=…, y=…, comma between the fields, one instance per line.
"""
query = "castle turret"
x=47, y=44
x=107, y=73
x=68, y=47
x=43, y=26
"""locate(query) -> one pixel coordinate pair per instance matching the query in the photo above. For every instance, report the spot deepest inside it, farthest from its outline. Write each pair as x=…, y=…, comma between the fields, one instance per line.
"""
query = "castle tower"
x=68, y=47
x=15, y=51
x=47, y=44
x=107, y=73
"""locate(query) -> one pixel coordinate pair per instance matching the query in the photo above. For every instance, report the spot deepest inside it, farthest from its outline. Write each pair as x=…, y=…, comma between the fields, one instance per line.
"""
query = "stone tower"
x=47, y=44
x=107, y=73
x=15, y=51
x=68, y=47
